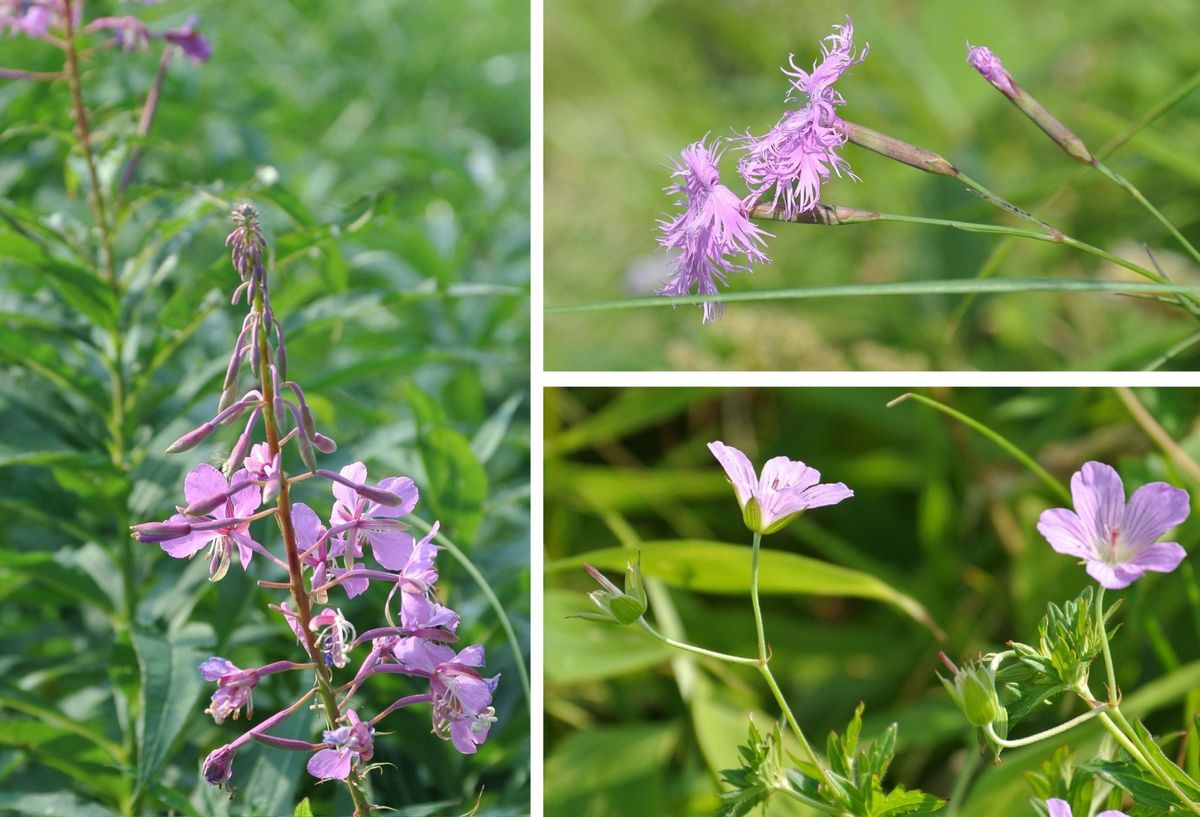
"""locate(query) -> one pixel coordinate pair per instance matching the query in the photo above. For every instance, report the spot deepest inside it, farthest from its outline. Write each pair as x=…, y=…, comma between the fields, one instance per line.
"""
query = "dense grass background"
x=387, y=145
x=629, y=84
x=939, y=515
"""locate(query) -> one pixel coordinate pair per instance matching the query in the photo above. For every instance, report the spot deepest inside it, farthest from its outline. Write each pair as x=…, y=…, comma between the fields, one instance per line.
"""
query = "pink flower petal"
x=329, y=764
x=355, y=472
x=189, y=545
x=307, y=525
x=406, y=488
x=247, y=500
x=738, y=468
x=1058, y=808
x=1066, y=533
x=203, y=482
x=1099, y=499
x=1161, y=557
x=391, y=548
x=1152, y=511
x=782, y=474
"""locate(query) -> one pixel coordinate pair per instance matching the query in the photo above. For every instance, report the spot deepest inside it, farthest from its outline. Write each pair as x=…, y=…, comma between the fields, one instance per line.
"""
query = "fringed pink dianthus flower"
x=712, y=230
x=799, y=154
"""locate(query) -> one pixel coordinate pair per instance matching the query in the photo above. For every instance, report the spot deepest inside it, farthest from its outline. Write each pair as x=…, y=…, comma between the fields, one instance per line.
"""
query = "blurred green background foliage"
x=629, y=84
x=937, y=550
x=387, y=145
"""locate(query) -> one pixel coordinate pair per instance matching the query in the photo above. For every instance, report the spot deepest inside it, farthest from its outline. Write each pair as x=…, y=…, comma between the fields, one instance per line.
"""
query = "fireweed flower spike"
x=711, y=232
x=219, y=513
x=785, y=490
x=1118, y=541
x=798, y=155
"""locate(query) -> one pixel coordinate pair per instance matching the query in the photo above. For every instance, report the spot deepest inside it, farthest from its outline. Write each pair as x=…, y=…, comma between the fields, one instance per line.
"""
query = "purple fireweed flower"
x=371, y=521
x=785, y=490
x=260, y=464
x=203, y=482
x=193, y=44
x=334, y=635
x=33, y=18
x=129, y=33
x=800, y=153
x=235, y=688
x=1061, y=808
x=1118, y=541
x=351, y=744
x=710, y=233
x=462, y=711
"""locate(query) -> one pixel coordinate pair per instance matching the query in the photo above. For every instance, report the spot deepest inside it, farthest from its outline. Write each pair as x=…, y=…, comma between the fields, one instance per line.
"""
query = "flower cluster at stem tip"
x=41, y=19
x=322, y=556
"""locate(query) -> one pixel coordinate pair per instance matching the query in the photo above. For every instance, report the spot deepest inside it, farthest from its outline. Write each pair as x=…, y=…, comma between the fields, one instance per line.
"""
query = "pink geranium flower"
x=1061, y=808
x=786, y=488
x=1118, y=541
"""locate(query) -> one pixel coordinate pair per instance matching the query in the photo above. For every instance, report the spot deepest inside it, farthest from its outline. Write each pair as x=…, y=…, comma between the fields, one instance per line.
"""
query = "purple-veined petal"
x=1066, y=533
x=1153, y=510
x=1113, y=577
x=1161, y=557
x=1099, y=499
x=782, y=474
x=820, y=496
x=738, y=468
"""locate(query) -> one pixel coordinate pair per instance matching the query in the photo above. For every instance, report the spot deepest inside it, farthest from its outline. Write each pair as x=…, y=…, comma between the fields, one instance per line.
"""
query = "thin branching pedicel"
x=848, y=780
x=223, y=505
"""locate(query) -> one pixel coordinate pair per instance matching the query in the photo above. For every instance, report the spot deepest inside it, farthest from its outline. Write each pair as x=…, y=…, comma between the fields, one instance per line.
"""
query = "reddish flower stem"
x=283, y=516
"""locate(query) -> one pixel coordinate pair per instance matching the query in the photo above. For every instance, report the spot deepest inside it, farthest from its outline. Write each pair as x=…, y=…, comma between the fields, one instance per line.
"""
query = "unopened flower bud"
x=155, y=532
x=324, y=444
x=988, y=64
x=893, y=148
x=973, y=690
x=618, y=606
x=218, y=766
x=191, y=439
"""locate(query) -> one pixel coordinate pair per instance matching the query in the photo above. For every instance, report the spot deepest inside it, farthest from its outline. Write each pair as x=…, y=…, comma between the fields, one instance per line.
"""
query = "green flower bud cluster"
x=1069, y=639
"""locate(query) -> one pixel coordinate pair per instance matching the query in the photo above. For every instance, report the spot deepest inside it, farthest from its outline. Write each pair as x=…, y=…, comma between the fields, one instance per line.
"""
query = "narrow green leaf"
x=170, y=686
x=945, y=287
x=303, y=809
x=77, y=285
x=487, y=439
